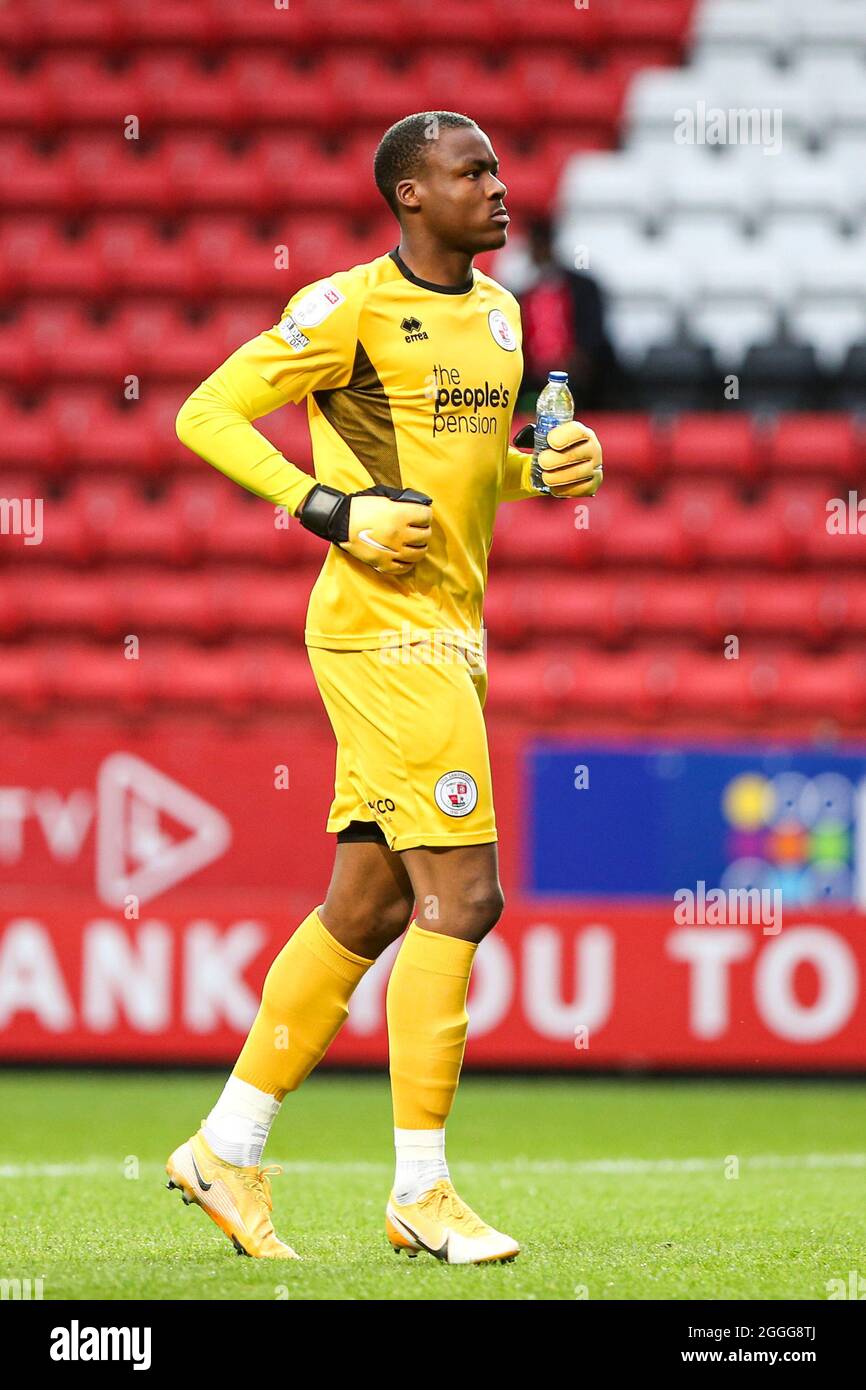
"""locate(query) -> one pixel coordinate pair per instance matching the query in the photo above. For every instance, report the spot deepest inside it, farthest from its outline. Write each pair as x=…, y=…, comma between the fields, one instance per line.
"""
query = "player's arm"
x=216, y=423
x=387, y=528
x=515, y=476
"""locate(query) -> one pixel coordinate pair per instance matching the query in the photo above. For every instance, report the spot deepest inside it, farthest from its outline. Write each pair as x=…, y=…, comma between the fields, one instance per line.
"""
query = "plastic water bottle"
x=555, y=406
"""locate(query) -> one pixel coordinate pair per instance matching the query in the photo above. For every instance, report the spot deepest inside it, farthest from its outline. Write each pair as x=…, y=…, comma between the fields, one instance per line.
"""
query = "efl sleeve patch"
x=315, y=306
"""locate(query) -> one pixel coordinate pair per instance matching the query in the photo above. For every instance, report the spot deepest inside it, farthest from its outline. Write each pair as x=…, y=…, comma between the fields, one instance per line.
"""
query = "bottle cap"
x=557, y=376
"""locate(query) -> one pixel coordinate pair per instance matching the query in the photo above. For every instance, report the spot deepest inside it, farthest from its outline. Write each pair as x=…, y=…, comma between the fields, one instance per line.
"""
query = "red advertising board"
x=565, y=987
x=148, y=878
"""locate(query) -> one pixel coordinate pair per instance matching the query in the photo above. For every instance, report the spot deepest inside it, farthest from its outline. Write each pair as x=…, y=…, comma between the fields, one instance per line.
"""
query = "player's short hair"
x=403, y=149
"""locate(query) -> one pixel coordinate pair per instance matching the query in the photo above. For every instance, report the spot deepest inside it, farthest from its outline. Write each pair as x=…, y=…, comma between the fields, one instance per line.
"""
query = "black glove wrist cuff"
x=524, y=438
x=325, y=512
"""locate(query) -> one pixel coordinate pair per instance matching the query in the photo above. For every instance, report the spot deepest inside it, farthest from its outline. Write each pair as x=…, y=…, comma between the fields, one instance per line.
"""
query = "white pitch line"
x=605, y=1166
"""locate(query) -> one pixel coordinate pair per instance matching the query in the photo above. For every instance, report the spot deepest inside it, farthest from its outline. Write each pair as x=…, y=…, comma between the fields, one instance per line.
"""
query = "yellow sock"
x=427, y=1023
x=304, y=1004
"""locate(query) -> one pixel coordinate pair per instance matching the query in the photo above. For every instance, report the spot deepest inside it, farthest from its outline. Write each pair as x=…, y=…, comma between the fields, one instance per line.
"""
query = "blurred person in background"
x=563, y=323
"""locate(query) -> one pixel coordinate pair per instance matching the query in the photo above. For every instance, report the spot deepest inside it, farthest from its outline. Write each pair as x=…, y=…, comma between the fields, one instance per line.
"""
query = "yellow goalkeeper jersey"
x=407, y=383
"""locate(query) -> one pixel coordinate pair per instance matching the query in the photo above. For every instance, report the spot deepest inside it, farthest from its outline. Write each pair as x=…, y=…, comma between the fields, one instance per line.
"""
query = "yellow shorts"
x=411, y=745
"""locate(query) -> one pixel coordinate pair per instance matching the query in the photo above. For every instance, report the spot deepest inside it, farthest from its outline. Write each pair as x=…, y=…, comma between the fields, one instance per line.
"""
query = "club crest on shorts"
x=503, y=333
x=456, y=793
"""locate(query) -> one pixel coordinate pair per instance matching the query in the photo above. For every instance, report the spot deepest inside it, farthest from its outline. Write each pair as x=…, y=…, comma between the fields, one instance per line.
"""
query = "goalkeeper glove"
x=387, y=528
x=571, y=463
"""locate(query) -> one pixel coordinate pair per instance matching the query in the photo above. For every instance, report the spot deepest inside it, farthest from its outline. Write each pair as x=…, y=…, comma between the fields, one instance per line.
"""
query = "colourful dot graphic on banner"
x=748, y=801
x=830, y=842
x=788, y=844
x=797, y=828
x=796, y=885
x=794, y=798
x=746, y=844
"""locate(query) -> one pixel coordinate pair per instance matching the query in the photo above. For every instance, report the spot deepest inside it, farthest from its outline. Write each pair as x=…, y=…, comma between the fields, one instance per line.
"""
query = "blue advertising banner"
x=623, y=822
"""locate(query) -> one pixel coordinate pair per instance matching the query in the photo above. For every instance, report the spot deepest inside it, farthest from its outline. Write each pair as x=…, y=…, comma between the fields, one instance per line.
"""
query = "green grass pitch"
x=616, y=1189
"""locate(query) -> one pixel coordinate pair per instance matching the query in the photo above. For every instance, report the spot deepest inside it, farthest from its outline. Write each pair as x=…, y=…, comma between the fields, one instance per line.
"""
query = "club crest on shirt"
x=503, y=333
x=456, y=793
x=315, y=306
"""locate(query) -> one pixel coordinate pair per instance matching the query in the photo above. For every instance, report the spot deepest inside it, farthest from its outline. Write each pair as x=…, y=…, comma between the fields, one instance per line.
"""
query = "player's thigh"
x=457, y=888
x=370, y=898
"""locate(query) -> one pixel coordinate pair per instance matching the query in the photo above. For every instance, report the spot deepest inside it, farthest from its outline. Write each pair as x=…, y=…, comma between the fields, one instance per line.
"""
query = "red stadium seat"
x=719, y=528
x=721, y=445
x=24, y=683
x=660, y=30
x=543, y=535
x=90, y=430
x=200, y=171
x=832, y=444
x=78, y=89
x=365, y=87
x=129, y=256
x=23, y=437
x=97, y=170
x=442, y=80
x=158, y=342
x=636, y=533
x=631, y=446
x=39, y=259
x=297, y=172
x=28, y=181
x=558, y=91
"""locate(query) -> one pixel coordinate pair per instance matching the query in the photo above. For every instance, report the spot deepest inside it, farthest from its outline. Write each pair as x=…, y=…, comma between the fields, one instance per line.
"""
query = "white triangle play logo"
x=135, y=853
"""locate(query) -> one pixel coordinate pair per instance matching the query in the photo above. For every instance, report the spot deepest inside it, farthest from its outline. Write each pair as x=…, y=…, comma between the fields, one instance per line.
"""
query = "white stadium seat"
x=831, y=71
x=831, y=27
x=750, y=274
x=830, y=327
x=634, y=327
x=611, y=241
x=687, y=243
x=739, y=26
x=731, y=328
x=642, y=270
x=657, y=96
x=793, y=186
x=778, y=30
x=605, y=182
x=700, y=179
x=832, y=268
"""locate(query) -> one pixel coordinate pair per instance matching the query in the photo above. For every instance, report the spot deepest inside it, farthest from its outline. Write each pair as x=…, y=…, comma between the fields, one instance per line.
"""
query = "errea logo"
x=412, y=328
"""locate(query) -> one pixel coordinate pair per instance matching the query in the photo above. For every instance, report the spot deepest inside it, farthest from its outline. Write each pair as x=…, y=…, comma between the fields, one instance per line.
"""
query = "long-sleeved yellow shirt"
x=408, y=384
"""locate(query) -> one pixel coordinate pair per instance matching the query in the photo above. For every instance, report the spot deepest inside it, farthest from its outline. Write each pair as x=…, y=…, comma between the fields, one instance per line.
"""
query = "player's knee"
x=394, y=917
x=368, y=927
x=481, y=908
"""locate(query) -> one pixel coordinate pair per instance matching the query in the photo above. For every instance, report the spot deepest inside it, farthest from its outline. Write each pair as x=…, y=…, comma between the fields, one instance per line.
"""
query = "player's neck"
x=437, y=265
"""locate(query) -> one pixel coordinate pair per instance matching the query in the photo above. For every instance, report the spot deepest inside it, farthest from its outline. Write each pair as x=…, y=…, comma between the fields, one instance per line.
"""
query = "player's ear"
x=407, y=194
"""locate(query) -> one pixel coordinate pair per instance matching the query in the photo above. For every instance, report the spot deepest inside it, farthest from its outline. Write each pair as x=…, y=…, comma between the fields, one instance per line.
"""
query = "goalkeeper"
x=410, y=367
